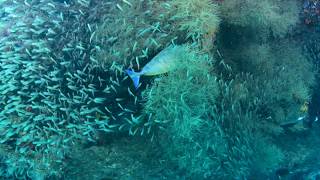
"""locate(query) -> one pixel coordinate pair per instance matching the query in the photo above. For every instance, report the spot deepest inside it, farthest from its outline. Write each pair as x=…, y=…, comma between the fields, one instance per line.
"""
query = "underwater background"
x=237, y=96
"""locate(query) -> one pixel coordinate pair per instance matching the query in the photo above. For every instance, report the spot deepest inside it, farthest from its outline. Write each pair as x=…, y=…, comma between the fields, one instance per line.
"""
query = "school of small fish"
x=52, y=89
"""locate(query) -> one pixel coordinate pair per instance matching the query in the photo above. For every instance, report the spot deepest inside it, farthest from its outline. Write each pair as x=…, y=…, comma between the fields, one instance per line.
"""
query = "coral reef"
x=146, y=27
x=202, y=121
x=154, y=26
x=311, y=12
x=179, y=105
x=281, y=76
x=56, y=88
x=282, y=96
x=285, y=96
x=263, y=16
x=182, y=101
x=199, y=19
x=312, y=49
x=66, y=100
x=16, y=166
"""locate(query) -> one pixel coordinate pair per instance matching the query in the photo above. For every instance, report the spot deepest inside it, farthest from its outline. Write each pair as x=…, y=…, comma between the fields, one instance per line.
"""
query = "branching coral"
x=238, y=116
x=282, y=96
x=62, y=81
x=17, y=166
x=53, y=87
x=146, y=27
x=179, y=103
x=201, y=122
x=253, y=40
x=262, y=16
x=171, y=99
x=131, y=32
x=199, y=18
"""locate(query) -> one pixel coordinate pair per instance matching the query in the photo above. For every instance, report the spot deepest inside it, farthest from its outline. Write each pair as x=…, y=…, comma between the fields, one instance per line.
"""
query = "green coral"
x=62, y=83
x=169, y=99
x=282, y=96
x=278, y=75
x=262, y=16
x=145, y=28
x=255, y=42
x=133, y=31
x=239, y=118
x=199, y=18
x=201, y=121
x=179, y=104
x=17, y=166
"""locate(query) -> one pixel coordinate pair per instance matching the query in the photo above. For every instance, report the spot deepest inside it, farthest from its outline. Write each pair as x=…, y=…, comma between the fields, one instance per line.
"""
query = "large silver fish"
x=163, y=62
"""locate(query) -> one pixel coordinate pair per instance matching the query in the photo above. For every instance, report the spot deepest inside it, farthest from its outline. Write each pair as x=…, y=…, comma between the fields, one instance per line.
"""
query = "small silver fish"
x=162, y=63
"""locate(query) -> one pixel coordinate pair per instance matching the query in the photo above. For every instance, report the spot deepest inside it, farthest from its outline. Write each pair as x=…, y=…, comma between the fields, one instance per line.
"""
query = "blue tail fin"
x=134, y=76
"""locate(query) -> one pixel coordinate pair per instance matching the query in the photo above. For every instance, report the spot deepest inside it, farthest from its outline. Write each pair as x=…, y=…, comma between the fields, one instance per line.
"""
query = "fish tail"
x=134, y=76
